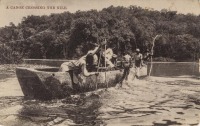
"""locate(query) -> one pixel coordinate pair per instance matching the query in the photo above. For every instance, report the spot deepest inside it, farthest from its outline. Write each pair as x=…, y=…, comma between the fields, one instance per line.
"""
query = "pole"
x=152, y=52
x=98, y=69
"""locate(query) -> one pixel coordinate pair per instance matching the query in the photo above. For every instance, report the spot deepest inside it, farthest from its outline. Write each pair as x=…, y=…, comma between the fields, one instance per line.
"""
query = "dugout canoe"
x=48, y=83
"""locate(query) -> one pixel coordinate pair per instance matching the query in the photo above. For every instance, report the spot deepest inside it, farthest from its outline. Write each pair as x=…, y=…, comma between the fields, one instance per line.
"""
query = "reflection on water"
x=81, y=110
x=76, y=110
x=154, y=101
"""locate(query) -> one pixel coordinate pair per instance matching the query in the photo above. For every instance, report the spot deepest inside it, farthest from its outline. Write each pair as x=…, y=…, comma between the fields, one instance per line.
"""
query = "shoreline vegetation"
x=69, y=35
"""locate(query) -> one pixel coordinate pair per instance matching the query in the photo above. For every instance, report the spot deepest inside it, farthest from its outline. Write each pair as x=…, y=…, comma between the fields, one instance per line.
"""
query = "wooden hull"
x=48, y=84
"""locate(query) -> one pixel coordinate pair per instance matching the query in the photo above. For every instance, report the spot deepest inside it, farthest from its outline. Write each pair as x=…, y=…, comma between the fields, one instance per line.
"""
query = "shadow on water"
x=182, y=83
x=77, y=110
x=168, y=122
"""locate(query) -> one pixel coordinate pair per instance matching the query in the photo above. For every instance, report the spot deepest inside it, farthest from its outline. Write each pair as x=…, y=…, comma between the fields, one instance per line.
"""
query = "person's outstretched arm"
x=92, y=52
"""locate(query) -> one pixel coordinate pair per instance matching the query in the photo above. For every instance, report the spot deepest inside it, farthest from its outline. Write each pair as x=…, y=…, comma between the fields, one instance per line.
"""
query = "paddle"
x=98, y=67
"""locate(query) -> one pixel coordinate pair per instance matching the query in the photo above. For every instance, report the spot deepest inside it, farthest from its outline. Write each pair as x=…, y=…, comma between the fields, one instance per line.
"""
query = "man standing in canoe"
x=78, y=67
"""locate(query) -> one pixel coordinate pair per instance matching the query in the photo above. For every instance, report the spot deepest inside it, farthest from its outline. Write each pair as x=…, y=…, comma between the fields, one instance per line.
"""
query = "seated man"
x=107, y=56
x=114, y=59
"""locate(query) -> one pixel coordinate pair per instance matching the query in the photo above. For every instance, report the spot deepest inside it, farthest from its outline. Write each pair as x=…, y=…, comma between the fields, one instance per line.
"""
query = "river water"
x=148, y=101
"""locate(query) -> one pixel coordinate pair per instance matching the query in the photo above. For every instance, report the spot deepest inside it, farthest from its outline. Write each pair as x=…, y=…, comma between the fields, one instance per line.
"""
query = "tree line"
x=68, y=35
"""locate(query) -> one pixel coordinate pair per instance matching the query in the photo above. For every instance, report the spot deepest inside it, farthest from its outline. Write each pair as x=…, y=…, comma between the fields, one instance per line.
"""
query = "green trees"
x=68, y=35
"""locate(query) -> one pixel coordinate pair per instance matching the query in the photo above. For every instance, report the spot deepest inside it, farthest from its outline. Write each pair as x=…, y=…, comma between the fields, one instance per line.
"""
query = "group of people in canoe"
x=99, y=57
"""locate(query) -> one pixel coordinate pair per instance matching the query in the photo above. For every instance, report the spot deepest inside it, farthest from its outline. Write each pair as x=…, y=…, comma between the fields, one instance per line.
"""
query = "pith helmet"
x=137, y=50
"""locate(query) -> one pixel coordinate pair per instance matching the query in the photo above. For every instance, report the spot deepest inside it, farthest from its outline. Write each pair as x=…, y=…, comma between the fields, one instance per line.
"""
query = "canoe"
x=48, y=83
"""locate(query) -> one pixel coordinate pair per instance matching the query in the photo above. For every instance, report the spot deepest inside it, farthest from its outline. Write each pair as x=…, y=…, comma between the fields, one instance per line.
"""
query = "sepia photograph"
x=99, y=63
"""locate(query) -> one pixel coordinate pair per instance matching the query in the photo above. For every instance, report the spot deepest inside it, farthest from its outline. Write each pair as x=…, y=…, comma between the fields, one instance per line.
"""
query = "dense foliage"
x=67, y=35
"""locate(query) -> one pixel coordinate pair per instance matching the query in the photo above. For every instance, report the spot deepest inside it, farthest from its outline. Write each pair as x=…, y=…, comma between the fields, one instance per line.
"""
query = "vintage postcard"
x=99, y=63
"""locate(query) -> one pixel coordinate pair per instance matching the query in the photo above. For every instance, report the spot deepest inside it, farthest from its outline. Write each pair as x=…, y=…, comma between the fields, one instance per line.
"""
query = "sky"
x=15, y=10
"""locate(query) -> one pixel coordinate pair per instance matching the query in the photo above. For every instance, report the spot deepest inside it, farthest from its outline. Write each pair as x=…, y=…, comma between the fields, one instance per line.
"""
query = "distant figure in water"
x=127, y=64
x=79, y=67
x=146, y=56
x=138, y=62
